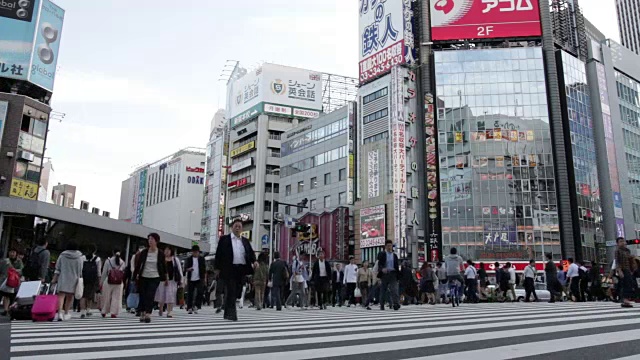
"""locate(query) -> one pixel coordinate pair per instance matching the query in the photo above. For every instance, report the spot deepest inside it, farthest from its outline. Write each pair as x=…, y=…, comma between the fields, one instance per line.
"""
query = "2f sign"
x=485, y=30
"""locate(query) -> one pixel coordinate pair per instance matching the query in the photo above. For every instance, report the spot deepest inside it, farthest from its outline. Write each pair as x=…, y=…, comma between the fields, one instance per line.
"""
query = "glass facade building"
x=496, y=163
x=629, y=99
x=585, y=167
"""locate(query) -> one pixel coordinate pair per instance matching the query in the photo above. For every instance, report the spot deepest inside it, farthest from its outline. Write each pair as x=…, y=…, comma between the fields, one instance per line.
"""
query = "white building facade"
x=167, y=194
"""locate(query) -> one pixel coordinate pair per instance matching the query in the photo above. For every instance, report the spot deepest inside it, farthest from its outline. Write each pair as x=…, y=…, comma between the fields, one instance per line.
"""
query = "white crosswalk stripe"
x=482, y=331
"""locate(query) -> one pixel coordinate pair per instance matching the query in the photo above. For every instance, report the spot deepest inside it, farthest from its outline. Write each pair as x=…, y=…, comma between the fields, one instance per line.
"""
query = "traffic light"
x=633, y=242
x=304, y=202
x=304, y=229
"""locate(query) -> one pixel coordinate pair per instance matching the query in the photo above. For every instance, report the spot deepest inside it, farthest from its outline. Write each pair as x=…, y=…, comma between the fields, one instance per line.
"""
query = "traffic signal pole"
x=272, y=232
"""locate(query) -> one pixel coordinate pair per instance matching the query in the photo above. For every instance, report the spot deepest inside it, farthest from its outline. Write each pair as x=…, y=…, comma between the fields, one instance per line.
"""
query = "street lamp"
x=273, y=206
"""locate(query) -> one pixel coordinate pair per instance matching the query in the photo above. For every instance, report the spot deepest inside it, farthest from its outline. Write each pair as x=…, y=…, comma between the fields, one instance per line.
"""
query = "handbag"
x=180, y=296
x=79, y=288
x=357, y=293
x=13, y=278
x=116, y=276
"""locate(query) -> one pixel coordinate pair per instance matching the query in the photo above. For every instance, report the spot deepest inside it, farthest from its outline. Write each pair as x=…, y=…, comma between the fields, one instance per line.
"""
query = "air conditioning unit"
x=25, y=155
x=95, y=210
x=106, y=214
x=84, y=205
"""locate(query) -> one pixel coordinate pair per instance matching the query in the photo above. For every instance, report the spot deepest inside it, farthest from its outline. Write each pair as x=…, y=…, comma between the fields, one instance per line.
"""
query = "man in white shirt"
x=471, y=280
x=512, y=281
x=573, y=276
x=321, y=275
x=529, y=281
x=351, y=279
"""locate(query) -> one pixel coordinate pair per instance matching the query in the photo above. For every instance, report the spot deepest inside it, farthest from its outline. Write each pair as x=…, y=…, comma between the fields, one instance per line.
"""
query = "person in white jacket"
x=512, y=281
x=351, y=279
x=112, y=293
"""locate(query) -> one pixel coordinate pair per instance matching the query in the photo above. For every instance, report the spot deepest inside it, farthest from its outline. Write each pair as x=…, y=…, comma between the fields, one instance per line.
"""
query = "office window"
x=287, y=190
x=287, y=210
x=300, y=186
x=327, y=202
x=327, y=178
x=314, y=182
x=343, y=174
x=312, y=204
x=342, y=198
x=299, y=210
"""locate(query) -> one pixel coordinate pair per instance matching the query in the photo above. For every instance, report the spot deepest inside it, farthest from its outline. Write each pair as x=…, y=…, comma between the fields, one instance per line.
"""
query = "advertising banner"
x=241, y=165
x=24, y=189
x=142, y=186
x=372, y=227
x=275, y=89
x=4, y=109
x=17, y=31
x=47, y=43
x=386, y=36
x=484, y=19
x=243, y=149
x=373, y=172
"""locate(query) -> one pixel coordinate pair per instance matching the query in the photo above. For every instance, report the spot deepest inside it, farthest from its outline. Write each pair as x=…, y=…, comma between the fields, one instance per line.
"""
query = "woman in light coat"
x=66, y=276
x=112, y=293
x=167, y=291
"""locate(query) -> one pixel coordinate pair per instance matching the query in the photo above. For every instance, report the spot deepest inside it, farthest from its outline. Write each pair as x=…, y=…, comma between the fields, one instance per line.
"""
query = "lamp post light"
x=273, y=206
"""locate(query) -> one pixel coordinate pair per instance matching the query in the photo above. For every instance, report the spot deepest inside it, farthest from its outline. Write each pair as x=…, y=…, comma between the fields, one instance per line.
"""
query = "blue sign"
x=17, y=31
x=4, y=108
x=47, y=44
x=265, y=241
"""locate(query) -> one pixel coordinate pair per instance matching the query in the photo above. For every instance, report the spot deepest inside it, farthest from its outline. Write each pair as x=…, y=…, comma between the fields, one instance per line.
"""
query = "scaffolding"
x=337, y=91
x=569, y=31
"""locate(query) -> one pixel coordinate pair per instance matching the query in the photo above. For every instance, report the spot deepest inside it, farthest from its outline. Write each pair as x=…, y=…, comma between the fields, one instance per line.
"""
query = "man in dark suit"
x=337, y=280
x=320, y=276
x=196, y=279
x=279, y=277
x=388, y=272
x=235, y=259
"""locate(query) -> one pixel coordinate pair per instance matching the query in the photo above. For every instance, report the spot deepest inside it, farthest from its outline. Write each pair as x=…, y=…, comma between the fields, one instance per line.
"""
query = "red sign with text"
x=484, y=19
x=195, y=169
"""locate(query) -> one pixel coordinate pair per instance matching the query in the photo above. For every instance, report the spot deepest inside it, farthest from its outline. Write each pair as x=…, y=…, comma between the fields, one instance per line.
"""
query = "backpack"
x=583, y=275
x=90, y=271
x=13, y=278
x=32, y=270
x=115, y=276
x=517, y=279
x=504, y=278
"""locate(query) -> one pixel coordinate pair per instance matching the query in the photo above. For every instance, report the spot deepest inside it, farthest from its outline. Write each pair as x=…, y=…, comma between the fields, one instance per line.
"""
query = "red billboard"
x=484, y=19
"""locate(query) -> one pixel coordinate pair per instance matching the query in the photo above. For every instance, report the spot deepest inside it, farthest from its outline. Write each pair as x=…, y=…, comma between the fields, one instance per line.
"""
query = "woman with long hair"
x=260, y=279
x=112, y=281
x=428, y=283
x=150, y=270
x=66, y=276
x=167, y=291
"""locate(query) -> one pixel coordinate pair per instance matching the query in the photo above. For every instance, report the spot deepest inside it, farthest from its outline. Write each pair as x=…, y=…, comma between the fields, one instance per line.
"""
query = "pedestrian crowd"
x=156, y=280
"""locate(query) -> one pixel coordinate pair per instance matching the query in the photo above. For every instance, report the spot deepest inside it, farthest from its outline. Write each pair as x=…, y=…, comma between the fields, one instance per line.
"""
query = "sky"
x=140, y=80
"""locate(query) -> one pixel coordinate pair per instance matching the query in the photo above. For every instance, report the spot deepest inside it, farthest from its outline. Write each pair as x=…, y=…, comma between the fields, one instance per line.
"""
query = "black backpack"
x=32, y=270
x=90, y=271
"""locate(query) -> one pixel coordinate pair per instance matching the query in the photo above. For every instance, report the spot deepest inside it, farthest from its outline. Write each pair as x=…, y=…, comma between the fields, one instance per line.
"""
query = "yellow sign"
x=24, y=189
x=243, y=149
x=352, y=168
x=246, y=234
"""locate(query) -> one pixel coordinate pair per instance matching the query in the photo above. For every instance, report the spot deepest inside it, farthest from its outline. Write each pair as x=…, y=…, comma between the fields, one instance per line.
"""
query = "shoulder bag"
x=115, y=276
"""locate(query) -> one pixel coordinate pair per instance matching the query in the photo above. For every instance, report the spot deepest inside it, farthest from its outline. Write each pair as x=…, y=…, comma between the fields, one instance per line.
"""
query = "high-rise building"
x=167, y=194
x=629, y=23
x=317, y=164
x=261, y=105
x=215, y=181
x=31, y=32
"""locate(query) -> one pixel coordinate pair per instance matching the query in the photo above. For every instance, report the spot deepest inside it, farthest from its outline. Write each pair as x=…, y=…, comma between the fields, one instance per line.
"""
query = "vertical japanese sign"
x=373, y=174
x=47, y=44
x=351, y=176
x=142, y=185
x=4, y=109
x=611, y=149
x=386, y=36
x=434, y=242
x=17, y=31
x=398, y=156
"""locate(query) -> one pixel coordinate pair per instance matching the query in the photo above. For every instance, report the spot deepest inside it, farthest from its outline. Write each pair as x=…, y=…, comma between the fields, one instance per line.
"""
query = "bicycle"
x=455, y=292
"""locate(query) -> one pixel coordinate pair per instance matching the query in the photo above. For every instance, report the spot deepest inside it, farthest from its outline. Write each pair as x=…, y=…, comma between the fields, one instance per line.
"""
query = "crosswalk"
x=479, y=331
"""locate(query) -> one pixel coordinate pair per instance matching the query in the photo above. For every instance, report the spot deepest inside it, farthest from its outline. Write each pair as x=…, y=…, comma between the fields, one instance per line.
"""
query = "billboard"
x=275, y=89
x=484, y=19
x=142, y=186
x=30, y=40
x=47, y=44
x=4, y=109
x=373, y=172
x=17, y=30
x=386, y=36
x=372, y=227
x=24, y=189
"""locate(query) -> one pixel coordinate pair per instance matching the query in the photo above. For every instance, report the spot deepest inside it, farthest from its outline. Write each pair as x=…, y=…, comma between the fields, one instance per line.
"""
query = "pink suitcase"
x=44, y=307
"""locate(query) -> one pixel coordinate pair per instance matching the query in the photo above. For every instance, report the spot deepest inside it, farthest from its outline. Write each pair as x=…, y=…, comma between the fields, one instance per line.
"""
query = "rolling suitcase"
x=27, y=292
x=45, y=306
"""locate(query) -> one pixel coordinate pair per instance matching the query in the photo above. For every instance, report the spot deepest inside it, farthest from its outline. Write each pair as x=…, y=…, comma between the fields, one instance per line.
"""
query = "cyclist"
x=454, y=265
